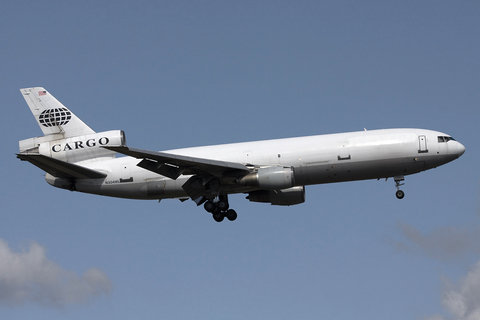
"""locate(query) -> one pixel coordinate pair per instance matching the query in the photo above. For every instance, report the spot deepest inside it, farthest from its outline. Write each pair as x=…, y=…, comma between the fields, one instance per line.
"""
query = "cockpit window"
x=444, y=139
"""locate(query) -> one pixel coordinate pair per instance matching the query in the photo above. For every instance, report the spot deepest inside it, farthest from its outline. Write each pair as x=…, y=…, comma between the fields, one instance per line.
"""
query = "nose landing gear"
x=398, y=183
x=220, y=209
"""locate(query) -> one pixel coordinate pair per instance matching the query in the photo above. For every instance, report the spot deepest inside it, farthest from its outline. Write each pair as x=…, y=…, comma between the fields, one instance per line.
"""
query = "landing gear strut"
x=219, y=208
x=398, y=183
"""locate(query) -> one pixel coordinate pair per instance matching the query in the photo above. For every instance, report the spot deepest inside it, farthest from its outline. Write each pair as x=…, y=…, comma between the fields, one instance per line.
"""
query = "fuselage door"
x=344, y=153
x=422, y=141
x=125, y=174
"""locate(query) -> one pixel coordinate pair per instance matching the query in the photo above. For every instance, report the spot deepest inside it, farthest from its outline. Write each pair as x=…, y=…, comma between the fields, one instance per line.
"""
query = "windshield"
x=444, y=139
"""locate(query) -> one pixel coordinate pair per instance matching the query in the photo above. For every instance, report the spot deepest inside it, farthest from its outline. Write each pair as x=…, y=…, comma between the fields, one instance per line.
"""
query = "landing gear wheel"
x=231, y=215
x=218, y=216
x=222, y=205
x=209, y=206
x=400, y=194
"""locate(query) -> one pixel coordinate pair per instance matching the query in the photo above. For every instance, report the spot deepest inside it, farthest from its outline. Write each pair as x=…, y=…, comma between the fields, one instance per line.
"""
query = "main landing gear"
x=220, y=209
x=398, y=183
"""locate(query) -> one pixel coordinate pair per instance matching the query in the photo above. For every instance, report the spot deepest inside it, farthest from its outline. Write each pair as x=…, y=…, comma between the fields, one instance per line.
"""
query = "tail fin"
x=66, y=137
x=52, y=116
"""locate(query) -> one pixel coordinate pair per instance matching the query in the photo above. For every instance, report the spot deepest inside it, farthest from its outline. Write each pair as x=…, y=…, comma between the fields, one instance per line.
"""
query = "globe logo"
x=55, y=117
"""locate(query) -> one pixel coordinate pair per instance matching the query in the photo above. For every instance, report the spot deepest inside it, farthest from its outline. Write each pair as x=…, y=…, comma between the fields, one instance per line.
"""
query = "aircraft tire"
x=231, y=215
x=222, y=205
x=209, y=206
x=218, y=216
x=400, y=194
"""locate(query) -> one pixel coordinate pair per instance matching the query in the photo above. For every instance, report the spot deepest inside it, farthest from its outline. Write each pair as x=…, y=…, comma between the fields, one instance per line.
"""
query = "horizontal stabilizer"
x=59, y=168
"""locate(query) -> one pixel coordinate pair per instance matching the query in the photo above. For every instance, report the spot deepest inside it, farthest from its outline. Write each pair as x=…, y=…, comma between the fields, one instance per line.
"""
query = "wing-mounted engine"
x=283, y=197
x=275, y=177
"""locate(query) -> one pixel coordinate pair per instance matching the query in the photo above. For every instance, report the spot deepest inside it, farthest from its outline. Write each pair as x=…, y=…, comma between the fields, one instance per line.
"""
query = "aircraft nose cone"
x=460, y=149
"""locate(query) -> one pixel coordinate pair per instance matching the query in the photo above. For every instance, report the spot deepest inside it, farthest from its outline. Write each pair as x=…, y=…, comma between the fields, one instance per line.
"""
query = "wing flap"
x=59, y=168
x=167, y=170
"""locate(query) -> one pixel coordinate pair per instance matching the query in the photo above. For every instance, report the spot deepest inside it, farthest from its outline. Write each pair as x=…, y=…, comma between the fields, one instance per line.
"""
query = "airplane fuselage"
x=317, y=159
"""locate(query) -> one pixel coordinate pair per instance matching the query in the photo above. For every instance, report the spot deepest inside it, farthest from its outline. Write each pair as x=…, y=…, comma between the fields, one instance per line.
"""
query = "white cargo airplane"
x=274, y=171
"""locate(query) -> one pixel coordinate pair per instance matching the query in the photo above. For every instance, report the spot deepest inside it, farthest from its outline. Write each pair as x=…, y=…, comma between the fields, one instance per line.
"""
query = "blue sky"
x=175, y=74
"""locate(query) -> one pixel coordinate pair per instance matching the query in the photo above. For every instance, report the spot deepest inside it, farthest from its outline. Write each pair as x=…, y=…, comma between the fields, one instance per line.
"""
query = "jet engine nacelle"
x=284, y=197
x=82, y=148
x=270, y=178
x=60, y=182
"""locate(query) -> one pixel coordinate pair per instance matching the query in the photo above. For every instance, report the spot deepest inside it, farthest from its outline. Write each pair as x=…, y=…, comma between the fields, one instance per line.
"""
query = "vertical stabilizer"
x=52, y=116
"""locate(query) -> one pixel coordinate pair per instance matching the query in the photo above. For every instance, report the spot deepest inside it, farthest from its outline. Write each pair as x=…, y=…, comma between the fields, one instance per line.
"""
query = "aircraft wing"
x=59, y=168
x=173, y=165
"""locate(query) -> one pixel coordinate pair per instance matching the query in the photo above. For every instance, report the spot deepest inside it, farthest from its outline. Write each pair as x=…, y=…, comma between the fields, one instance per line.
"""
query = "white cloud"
x=443, y=243
x=30, y=276
x=462, y=301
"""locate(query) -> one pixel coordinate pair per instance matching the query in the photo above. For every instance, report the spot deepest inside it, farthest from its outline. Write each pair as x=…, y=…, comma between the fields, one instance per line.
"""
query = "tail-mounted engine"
x=74, y=149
